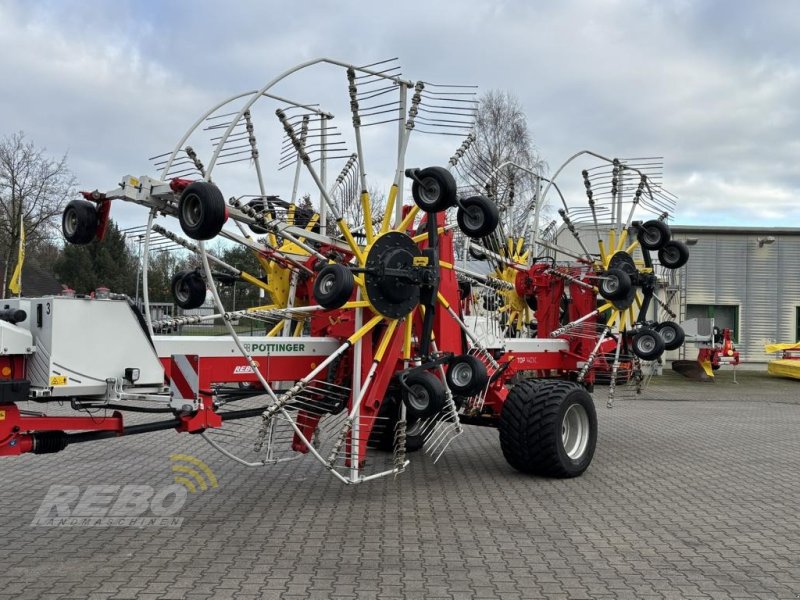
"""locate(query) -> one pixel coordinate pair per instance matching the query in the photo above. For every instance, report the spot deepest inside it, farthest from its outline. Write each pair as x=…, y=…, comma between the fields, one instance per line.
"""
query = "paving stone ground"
x=694, y=492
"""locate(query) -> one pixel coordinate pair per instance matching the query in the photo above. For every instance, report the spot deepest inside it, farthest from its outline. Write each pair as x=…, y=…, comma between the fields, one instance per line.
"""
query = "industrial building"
x=747, y=279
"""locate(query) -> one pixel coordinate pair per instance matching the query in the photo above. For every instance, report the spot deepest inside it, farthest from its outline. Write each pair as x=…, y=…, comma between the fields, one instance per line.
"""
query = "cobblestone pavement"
x=693, y=493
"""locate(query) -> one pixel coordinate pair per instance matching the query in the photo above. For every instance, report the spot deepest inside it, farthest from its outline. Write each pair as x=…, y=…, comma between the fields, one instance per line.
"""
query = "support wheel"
x=615, y=284
x=647, y=344
x=188, y=289
x=201, y=210
x=673, y=255
x=333, y=286
x=548, y=428
x=427, y=395
x=654, y=234
x=79, y=222
x=383, y=438
x=466, y=375
x=434, y=189
x=478, y=216
x=672, y=334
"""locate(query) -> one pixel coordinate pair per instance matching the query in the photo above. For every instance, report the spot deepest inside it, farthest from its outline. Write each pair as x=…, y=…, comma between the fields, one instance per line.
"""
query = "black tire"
x=438, y=191
x=548, y=428
x=647, y=344
x=615, y=284
x=201, y=210
x=654, y=234
x=333, y=286
x=427, y=397
x=382, y=436
x=673, y=255
x=188, y=289
x=79, y=222
x=672, y=334
x=478, y=216
x=466, y=375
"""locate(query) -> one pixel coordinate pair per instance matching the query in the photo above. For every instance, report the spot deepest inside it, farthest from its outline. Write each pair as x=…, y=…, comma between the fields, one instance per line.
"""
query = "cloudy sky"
x=712, y=86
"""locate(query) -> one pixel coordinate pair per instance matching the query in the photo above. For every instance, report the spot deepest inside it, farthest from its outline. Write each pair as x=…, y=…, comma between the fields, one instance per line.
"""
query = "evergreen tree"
x=107, y=263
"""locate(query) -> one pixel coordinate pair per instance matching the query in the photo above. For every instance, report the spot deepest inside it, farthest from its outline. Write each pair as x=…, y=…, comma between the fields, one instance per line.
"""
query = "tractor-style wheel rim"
x=71, y=222
x=429, y=191
x=575, y=430
x=473, y=218
x=326, y=285
x=667, y=334
x=611, y=284
x=671, y=255
x=646, y=344
x=416, y=428
x=419, y=398
x=461, y=374
x=182, y=291
x=192, y=210
x=651, y=236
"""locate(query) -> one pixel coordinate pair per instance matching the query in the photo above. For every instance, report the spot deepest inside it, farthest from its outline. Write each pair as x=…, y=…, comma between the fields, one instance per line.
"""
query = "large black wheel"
x=434, y=189
x=188, y=289
x=672, y=334
x=79, y=222
x=427, y=395
x=478, y=216
x=201, y=210
x=615, y=284
x=673, y=255
x=647, y=344
x=654, y=234
x=333, y=286
x=466, y=375
x=548, y=428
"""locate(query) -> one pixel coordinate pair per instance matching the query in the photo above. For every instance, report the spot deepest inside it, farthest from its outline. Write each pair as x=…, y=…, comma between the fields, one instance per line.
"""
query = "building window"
x=726, y=316
x=797, y=324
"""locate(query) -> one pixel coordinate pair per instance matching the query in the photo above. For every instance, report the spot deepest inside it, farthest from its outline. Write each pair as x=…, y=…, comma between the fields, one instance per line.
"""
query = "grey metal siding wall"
x=788, y=286
x=730, y=269
x=759, y=313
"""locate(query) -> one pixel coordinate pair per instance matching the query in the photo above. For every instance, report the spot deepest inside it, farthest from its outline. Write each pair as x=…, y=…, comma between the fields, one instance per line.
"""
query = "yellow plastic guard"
x=784, y=368
x=774, y=348
x=706, y=364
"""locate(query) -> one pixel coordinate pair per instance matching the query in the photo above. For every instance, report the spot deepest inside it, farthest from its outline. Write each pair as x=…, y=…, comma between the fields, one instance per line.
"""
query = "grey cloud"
x=711, y=86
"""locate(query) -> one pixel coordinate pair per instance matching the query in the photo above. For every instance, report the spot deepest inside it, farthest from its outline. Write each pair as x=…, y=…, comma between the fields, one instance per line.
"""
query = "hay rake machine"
x=540, y=287
x=371, y=346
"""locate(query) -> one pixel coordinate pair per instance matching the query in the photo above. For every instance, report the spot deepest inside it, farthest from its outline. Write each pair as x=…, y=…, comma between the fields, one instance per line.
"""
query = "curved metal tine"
x=366, y=79
x=378, y=63
x=371, y=94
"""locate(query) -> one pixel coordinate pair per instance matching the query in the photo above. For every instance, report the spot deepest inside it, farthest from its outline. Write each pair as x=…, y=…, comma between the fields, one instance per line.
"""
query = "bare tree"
x=353, y=210
x=32, y=186
x=502, y=136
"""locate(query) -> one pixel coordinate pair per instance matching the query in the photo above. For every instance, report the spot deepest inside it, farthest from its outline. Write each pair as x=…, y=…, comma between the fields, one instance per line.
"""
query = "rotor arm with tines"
x=196, y=160
x=413, y=110
x=462, y=149
x=568, y=222
x=587, y=184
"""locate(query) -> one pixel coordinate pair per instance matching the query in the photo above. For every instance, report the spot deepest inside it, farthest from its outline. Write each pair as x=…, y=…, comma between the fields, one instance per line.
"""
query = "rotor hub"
x=393, y=276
